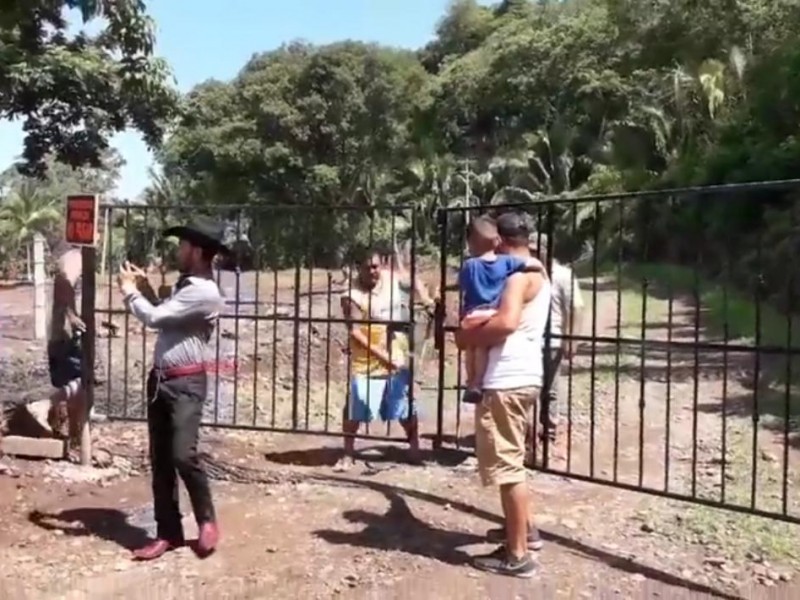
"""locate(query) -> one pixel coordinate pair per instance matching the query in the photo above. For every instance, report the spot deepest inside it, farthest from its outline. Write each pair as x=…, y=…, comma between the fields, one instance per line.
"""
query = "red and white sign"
x=82, y=214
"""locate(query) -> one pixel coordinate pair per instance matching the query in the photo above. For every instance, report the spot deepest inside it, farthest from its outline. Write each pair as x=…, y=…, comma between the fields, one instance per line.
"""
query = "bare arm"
x=147, y=291
x=423, y=295
x=349, y=310
x=64, y=295
x=416, y=286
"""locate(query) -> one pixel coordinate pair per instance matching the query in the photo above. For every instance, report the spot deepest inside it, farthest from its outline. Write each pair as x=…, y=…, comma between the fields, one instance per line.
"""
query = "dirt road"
x=293, y=528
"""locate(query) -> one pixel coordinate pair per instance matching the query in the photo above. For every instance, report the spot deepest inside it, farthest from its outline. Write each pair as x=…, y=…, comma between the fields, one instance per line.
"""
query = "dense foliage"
x=542, y=98
x=514, y=102
x=72, y=92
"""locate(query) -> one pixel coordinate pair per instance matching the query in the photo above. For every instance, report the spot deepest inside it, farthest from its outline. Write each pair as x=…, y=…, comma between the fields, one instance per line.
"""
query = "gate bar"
x=88, y=290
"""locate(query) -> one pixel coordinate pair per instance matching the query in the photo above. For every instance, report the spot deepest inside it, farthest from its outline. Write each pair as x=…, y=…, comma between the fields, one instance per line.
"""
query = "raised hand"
x=137, y=272
x=127, y=277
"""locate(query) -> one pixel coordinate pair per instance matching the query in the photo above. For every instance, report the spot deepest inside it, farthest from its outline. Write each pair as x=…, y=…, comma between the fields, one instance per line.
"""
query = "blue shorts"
x=385, y=396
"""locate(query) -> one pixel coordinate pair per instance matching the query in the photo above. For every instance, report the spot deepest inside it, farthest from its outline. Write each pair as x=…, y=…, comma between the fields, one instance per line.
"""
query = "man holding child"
x=512, y=338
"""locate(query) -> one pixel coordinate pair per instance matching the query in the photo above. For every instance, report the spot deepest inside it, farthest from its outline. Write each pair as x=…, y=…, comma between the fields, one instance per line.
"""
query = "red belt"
x=195, y=369
x=182, y=371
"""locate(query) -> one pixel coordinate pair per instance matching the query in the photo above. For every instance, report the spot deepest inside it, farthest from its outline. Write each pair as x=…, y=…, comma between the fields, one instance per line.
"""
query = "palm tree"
x=26, y=210
x=430, y=183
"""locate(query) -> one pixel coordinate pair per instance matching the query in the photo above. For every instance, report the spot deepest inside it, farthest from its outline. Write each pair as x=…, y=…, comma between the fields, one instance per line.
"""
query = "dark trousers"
x=64, y=361
x=548, y=415
x=174, y=412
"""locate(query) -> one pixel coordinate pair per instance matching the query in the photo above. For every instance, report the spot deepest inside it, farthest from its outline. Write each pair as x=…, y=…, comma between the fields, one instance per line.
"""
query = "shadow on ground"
x=383, y=532
x=399, y=530
x=385, y=455
x=106, y=523
x=458, y=442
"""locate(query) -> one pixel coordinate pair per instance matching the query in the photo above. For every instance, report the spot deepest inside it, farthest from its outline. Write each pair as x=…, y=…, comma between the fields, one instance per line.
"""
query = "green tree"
x=73, y=92
x=25, y=211
x=464, y=28
x=317, y=127
x=541, y=98
x=30, y=205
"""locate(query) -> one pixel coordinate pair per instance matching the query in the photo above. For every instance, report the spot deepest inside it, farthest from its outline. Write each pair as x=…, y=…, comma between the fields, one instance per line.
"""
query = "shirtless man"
x=64, y=345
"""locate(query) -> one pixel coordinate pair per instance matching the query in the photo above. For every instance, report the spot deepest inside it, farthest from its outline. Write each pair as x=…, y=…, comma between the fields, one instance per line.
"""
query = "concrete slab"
x=17, y=445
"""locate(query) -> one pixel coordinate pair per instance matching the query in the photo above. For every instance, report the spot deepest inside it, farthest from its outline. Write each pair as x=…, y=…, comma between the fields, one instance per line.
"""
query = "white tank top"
x=517, y=362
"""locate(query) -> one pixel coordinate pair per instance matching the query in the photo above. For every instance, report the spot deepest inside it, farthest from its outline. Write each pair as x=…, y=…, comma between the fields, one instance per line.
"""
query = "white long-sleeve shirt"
x=184, y=321
x=566, y=303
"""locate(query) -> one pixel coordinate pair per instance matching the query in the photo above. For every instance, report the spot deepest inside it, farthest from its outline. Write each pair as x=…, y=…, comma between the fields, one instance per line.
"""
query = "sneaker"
x=344, y=464
x=498, y=536
x=501, y=562
x=472, y=396
x=96, y=417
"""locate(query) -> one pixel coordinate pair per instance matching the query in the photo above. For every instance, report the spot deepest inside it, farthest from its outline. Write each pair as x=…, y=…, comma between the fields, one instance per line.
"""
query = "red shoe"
x=155, y=549
x=208, y=538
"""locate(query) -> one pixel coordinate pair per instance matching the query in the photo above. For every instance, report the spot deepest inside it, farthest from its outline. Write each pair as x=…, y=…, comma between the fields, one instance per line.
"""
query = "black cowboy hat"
x=203, y=233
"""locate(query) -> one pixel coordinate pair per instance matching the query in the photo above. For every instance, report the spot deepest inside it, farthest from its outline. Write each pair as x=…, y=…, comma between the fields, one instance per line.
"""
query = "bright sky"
x=205, y=39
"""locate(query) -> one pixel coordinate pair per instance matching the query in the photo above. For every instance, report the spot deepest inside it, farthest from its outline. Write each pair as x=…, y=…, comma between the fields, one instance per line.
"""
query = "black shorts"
x=64, y=361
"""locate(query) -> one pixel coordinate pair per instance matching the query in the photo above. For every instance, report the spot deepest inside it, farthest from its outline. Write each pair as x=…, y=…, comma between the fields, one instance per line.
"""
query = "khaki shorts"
x=501, y=421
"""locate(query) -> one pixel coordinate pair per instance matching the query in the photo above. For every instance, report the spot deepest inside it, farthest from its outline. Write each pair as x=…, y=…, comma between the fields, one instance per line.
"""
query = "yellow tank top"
x=385, y=305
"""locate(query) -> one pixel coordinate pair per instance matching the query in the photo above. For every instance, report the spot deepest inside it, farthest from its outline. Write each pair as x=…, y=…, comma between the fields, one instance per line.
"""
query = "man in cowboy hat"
x=177, y=384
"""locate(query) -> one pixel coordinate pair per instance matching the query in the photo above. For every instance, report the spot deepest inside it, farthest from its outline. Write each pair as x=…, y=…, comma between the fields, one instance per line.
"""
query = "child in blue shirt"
x=482, y=280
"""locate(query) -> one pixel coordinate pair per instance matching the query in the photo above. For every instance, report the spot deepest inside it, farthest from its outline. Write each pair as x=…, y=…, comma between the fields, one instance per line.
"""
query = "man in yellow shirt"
x=379, y=377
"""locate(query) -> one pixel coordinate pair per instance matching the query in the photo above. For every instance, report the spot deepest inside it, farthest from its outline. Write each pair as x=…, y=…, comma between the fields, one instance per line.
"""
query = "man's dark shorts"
x=64, y=361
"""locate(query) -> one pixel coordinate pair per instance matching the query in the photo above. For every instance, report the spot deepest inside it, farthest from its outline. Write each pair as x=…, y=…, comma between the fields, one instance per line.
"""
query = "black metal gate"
x=683, y=380
x=281, y=358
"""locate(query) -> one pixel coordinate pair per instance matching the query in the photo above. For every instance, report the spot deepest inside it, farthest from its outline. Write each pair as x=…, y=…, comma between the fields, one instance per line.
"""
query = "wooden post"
x=39, y=291
x=88, y=289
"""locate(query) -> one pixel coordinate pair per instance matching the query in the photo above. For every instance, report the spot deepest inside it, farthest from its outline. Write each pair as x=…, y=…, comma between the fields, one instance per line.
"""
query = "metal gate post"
x=439, y=316
x=295, y=349
x=88, y=293
x=549, y=373
x=412, y=318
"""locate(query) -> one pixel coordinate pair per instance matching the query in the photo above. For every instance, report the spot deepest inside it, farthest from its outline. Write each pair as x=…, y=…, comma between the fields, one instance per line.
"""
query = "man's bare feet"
x=74, y=454
x=58, y=420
